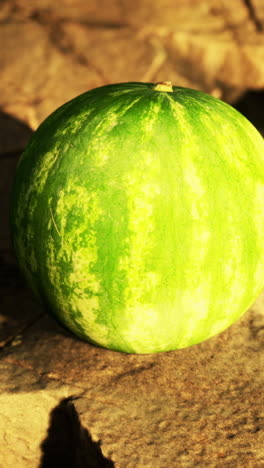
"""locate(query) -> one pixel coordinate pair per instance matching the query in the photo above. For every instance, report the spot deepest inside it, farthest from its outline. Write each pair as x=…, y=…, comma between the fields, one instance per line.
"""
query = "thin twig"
x=55, y=225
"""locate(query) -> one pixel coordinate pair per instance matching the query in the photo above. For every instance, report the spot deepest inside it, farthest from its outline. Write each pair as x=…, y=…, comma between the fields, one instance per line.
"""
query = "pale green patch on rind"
x=150, y=118
x=142, y=188
x=24, y=239
x=71, y=252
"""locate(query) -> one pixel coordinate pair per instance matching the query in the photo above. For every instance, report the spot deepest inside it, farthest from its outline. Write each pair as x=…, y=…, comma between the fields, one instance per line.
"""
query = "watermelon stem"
x=165, y=86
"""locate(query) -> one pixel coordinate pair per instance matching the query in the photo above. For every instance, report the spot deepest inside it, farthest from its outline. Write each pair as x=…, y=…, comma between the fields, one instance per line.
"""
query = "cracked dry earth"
x=67, y=403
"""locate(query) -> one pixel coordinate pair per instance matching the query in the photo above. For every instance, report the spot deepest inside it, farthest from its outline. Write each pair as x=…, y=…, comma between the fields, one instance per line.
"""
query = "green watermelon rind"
x=137, y=216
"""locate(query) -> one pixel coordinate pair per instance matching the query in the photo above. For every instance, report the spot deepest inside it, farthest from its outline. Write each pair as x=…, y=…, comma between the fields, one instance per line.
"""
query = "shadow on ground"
x=68, y=444
x=251, y=106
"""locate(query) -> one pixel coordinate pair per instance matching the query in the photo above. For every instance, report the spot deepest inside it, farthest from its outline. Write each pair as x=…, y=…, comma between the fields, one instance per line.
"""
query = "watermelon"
x=137, y=216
